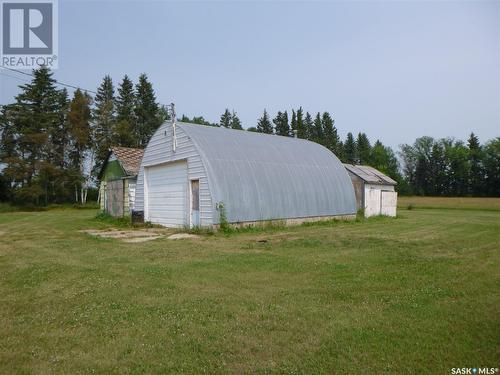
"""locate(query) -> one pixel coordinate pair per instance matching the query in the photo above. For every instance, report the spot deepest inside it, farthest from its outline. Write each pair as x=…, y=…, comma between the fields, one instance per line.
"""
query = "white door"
x=372, y=202
x=166, y=193
x=388, y=203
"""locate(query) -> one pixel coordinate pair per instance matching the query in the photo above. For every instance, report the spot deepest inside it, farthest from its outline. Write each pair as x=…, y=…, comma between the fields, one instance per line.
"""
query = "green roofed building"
x=118, y=179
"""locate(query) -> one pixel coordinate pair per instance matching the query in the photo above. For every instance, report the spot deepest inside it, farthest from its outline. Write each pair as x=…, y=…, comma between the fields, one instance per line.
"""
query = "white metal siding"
x=166, y=194
x=159, y=151
x=131, y=193
x=380, y=200
x=389, y=203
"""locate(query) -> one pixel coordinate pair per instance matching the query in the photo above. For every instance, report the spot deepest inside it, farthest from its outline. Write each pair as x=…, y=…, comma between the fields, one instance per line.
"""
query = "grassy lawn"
x=418, y=294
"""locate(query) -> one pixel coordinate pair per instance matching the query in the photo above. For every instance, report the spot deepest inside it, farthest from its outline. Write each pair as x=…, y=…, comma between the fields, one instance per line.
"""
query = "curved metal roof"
x=261, y=177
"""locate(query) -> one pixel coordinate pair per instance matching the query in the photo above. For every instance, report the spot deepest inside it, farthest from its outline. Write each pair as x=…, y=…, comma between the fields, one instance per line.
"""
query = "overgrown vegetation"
x=379, y=296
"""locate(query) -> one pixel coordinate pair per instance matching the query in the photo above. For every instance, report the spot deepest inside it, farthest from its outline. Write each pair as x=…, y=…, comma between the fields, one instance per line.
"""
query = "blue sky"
x=395, y=70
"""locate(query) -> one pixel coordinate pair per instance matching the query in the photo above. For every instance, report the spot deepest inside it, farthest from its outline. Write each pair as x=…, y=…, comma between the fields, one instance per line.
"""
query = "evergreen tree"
x=253, y=129
x=293, y=124
x=300, y=127
x=318, y=135
x=309, y=127
x=235, y=121
x=59, y=132
x=29, y=125
x=350, y=155
x=331, y=138
x=225, y=119
x=264, y=125
x=281, y=124
x=147, y=112
x=476, y=173
x=363, y=149
x=126, y=133
x=103, y=117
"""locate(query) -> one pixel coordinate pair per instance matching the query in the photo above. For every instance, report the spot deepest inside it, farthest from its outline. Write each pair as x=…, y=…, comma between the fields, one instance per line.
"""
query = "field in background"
x=452, y=202
x=417, y=294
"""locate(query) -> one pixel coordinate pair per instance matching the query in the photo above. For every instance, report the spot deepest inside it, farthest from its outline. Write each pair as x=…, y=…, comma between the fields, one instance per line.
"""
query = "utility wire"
x=55, y=80
x=8, y=75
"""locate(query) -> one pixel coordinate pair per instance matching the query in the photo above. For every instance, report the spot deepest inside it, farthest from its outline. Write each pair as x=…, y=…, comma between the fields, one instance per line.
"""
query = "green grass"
x=417, y=294
x=462, y=203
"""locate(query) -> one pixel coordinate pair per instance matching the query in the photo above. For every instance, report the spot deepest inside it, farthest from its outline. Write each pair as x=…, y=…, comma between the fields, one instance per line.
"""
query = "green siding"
x=113, y=171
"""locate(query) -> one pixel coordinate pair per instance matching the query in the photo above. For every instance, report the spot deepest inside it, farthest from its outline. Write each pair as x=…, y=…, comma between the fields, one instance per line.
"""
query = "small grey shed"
x=192, y=174
x=374, y=190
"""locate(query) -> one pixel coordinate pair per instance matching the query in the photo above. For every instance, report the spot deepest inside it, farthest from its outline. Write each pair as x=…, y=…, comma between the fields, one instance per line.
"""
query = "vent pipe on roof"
x=173, y=119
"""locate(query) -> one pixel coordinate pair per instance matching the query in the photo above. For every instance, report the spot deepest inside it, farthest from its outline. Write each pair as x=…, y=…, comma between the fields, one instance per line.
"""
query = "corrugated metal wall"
x=264, y=177
x=256, y=176
x=159, y=151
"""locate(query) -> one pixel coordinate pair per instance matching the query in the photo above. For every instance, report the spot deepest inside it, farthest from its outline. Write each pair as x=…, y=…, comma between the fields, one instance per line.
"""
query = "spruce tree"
x=29, y=126
x=332, y=140
x=300, y=127
x=264, y=125
x=350, y=149
x=59, y=132
x=281, y=124
x=235, y=122
x=318, y=135
x=225, y=119
x=309, y=127
x=103, y=117
x=363, y=149
x=147, y=111
x=293, y=124
x=126, y=133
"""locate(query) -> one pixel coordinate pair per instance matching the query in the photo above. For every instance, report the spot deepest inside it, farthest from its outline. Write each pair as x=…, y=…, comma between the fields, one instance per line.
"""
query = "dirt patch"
x=132, y=236
x=181, y=236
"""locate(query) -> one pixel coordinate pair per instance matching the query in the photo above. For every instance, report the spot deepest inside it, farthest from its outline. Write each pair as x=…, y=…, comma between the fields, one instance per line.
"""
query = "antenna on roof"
x=173, y=118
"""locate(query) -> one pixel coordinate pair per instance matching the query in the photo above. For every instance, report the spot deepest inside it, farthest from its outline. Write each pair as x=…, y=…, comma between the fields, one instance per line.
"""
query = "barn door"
x=195, y=203
x=114, y=198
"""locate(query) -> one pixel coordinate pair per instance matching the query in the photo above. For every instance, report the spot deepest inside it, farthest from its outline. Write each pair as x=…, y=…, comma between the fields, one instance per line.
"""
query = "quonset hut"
x=194, y=175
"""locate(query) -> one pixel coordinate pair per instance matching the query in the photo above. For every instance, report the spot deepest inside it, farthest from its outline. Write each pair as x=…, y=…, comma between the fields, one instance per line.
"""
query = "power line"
x=8, y=75
x=55, y=80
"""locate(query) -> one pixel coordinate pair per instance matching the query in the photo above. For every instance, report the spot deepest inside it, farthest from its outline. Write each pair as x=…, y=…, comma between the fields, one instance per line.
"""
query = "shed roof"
x=370, y=174
x=129, y=158
x=269, y=176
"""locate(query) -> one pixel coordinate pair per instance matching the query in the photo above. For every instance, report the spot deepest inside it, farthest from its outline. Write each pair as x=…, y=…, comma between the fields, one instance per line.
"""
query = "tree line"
x=444, y=167
x=53, y=147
